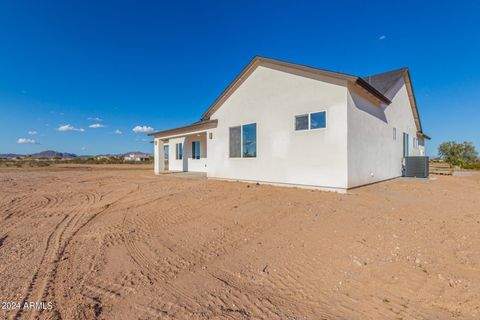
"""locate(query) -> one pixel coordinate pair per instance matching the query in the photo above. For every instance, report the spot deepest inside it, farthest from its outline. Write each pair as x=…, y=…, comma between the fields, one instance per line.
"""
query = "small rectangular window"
x=179, y=151
x=165, y=151
x=236, y=142
x=394, y=134
x=406, y=144
x=301, y=122
x=318, y=120
x=249, y=140
x=195, y=149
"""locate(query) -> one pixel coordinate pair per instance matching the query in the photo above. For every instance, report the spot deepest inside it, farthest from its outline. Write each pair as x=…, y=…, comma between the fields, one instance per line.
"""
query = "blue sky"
x=161, y=64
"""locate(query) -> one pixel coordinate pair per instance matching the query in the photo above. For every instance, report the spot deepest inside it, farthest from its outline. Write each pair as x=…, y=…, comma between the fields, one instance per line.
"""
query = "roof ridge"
x=304, y=65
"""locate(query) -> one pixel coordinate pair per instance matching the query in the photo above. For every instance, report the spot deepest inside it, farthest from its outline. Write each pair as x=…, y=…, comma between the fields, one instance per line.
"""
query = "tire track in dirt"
x=250, y=298
x=25, y=207
x=38, y=273
x=91, y=289
x=233, y=243
x=144, y=223
x=150, y=267
x=10, y=203
x=41, y=285
x=22, y=210
x=180, y=214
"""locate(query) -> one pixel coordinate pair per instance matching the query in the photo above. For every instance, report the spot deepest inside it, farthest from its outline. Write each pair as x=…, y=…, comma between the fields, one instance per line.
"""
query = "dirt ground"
x=117, y=242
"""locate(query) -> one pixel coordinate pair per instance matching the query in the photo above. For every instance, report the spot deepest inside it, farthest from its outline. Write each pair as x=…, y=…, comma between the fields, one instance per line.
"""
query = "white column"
x=158, y=156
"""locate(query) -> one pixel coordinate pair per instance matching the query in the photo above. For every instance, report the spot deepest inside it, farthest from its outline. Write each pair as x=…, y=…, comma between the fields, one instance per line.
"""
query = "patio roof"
x=191, y=128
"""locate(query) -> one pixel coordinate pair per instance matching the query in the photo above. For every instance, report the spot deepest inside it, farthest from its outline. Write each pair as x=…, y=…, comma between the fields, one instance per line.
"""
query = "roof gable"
x=256, y=61
x=383, y=82
x=376, y=86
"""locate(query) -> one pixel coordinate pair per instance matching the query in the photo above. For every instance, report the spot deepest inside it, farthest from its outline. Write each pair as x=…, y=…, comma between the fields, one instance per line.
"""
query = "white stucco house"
x=288, y=124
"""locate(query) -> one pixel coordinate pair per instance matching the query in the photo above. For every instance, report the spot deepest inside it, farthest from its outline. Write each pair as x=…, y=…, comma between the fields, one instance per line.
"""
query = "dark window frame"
x=244, y=154
x=179, y=151
x=310, y=120
x=231, y=152
x=241, y=142
x=196, y=155
x=302, y=116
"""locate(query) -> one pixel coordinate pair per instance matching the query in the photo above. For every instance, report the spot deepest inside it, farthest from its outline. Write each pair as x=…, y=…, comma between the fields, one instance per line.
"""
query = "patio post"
x=158, y=156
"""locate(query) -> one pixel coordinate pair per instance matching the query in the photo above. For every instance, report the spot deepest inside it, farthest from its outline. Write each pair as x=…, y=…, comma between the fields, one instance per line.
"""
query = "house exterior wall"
x=421, y=147
x=373, y=152
x=196, y=165
x=173, y=163
x=187, y=163
x=272, y=98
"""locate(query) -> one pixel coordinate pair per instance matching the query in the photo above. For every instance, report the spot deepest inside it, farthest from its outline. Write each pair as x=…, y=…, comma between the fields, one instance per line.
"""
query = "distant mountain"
x=50, y=154
x=53, y=154
x=10, y=155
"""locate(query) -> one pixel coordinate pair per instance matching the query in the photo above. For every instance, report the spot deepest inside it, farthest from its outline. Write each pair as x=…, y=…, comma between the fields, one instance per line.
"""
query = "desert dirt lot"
x=117, y=242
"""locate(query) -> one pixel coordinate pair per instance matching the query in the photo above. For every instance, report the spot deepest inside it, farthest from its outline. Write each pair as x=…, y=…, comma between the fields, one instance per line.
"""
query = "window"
x=314, y=120
x=405, y=144
x=249, y=137
x=301, y=122
x=236, y=142
x=165, y=151
x=394, y=134
x=243, y=141
x=195, y=149
x=318, y=120
x=179, y=151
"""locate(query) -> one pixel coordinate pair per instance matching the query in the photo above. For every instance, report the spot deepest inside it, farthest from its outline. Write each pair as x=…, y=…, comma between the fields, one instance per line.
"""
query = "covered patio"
x=184, y=148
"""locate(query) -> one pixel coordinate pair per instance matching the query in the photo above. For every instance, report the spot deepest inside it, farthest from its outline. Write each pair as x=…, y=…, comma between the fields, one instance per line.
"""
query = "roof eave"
x=206, y=115
x=411, y=94
x=419, y=133
x=364, y=84
x=332, y=74
x=201, y=125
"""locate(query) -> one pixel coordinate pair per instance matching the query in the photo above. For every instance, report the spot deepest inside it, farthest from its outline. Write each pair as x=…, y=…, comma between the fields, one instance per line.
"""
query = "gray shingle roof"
x=384, y=81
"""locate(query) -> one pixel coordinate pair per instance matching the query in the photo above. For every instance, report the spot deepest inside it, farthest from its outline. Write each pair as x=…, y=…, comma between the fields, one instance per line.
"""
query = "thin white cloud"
x=67, y=127
x=382, y=37
x=33, y=132
x=26, y=141
x=139, y=129
x=96, y=126
x=83, y=148
x=95, y=119
x=117, y=132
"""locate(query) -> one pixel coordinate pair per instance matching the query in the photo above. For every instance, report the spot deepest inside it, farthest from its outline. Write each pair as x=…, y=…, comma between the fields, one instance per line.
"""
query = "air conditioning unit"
x=416, y=167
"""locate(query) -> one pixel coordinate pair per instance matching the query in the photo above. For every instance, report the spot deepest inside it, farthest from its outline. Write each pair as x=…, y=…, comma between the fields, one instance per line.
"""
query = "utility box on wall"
x=416, y=167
